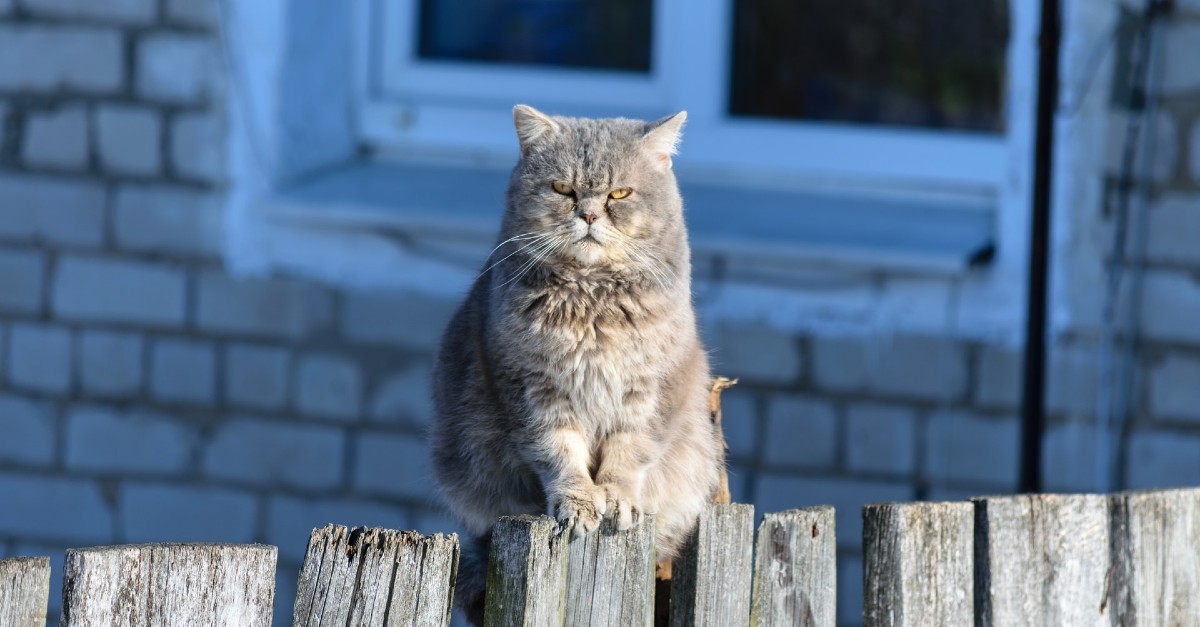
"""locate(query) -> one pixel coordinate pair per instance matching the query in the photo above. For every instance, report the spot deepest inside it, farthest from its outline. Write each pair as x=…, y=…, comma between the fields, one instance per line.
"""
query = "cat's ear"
x=662, y=137
x=532, y=125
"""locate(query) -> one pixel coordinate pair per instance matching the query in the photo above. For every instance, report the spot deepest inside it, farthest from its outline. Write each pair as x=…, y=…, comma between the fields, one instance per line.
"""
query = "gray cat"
x=573, y=379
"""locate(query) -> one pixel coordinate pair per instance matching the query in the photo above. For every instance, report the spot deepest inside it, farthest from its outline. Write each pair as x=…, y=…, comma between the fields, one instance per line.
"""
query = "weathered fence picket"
x=795, y=570
x=711, y=579
x=182, y=585
x=610, y=576
x=527, y=572
x=24, y=591
x=1042, y=560
x=919, y=564
x=364, y=577
x=1156, y=553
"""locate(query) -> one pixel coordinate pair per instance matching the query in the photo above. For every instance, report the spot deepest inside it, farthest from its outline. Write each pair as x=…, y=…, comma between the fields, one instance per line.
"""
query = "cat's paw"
x=620, y=505
x=584, y=506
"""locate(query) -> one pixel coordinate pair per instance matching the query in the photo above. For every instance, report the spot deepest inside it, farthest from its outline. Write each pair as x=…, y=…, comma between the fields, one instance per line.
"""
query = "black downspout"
x=1033, y=389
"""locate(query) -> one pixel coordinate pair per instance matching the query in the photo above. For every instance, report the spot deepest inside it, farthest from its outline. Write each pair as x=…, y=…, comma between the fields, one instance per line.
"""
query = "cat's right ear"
x=532, y=125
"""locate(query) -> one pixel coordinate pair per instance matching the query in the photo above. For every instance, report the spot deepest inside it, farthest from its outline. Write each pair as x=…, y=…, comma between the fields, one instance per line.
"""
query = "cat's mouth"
x=588, y=239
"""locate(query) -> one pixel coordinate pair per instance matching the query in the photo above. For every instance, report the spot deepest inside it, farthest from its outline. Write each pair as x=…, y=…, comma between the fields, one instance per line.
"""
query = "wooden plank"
x=711, y=578
x=24, y=591
x=795, y=569
x=182, y=585
x=1042, y=560
x=610, y=576
x=527, y=572
x=367, y=577
x=919, y=563
x=1156, y=555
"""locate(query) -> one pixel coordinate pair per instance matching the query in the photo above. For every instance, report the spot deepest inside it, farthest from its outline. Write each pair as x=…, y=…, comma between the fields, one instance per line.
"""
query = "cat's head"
x=599, y=191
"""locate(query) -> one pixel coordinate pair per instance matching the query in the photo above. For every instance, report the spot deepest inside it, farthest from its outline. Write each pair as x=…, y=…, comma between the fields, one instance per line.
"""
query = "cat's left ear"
x=662, y=137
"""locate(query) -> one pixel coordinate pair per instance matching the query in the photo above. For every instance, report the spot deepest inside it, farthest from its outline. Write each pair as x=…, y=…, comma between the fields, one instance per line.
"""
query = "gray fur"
x=572, y=379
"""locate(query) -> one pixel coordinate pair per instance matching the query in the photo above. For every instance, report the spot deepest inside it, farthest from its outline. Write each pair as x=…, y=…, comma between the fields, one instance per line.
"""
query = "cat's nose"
x=588, y=216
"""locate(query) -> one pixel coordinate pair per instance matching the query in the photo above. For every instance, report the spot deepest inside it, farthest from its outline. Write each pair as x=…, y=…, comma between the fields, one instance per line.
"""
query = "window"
x=904, y=94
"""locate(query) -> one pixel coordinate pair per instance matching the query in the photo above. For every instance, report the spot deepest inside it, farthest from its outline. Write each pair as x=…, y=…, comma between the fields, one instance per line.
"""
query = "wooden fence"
x=1125, y=559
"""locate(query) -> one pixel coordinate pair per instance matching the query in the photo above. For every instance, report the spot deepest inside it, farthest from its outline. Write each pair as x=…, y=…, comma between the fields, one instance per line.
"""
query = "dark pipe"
x=1033, y=389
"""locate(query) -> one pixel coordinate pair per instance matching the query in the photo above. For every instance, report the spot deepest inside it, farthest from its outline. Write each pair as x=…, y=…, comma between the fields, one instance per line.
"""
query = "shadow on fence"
x=1015, y=560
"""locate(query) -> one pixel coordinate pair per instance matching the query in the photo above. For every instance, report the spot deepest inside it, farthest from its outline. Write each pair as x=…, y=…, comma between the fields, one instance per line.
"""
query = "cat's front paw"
x=620, y=505
x=585, y=506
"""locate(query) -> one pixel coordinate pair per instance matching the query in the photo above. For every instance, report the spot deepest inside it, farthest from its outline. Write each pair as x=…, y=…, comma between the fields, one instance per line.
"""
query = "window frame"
x=409, y=105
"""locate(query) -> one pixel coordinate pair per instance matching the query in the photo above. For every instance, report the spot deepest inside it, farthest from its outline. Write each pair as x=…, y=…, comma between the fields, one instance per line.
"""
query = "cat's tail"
x=472, y=577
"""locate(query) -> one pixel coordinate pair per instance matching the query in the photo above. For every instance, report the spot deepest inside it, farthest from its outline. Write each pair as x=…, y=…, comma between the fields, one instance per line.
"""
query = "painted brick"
x=57, y=139
x=39, y=357
x=120, y=11
x=967, y=449
x=430, y=520
x=39, y=58
x=394, y=465
x=1174, y=219
x=328, y=386
x=881, y=438
x=1073, y=380
x=849, y=589
x=28, y=431
x=1194, y=152
x=22, y=278
x=908, y=366
x=118, y=290
x=38, y=508
x=102, y=440
x=998, y=378
x=200, y=13
x=1161, y=460
x=758, y=354
x=409, y=319
x=740, y=423
x=1175, y=389
x=59, y=211
x=1169, y=304
x=162, y=512
x=171, y=220
x=776, y=493
x=198, y=147
x=256, y=376
x=1069, y=458
x=183, y=371
x=276, y=453
x=801, y=431
x=1180, y=39
x=1163, y=162
x=405, y=396
x=269, y=307
x=175, y=68
x=839, y=363
x=129, y=139
x=290, y=521
x=110, y=363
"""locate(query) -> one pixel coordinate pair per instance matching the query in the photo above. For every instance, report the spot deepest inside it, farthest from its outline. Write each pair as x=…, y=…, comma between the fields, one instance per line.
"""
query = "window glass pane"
x=927, y=63
x=606, y=34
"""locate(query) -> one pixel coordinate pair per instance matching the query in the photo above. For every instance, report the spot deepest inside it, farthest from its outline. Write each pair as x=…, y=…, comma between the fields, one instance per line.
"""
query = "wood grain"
x=527, y=572
x=711, y=579
x=24, y=591
x=1156, y=558
x=1042, y=560
x=919, y=564
x=610, y=576
x=182, y=585
x=372, y=577
x=795, y=569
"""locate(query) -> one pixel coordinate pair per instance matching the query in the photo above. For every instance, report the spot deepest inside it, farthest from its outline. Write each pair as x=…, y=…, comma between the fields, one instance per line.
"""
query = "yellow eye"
x=618, y=194
x=563, y=188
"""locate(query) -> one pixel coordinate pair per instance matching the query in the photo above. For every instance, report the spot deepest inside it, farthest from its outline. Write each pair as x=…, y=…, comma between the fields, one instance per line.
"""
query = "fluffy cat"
x=572, y=379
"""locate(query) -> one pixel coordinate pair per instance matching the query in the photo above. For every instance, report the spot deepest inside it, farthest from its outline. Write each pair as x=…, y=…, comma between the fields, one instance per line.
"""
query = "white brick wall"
x=45, y=59
x=129, y=139
x=57, y=139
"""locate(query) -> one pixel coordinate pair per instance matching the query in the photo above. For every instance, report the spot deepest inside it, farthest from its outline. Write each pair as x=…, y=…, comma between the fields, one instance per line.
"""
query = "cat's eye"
x=618, y=194
x=563, y=188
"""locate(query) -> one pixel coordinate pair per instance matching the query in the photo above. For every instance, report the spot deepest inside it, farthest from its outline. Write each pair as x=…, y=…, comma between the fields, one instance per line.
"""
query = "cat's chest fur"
x=598, y=345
